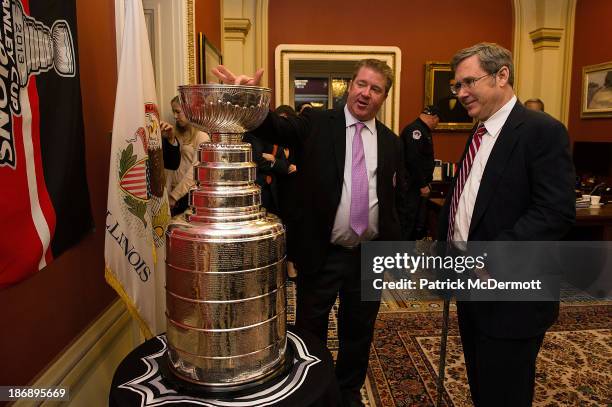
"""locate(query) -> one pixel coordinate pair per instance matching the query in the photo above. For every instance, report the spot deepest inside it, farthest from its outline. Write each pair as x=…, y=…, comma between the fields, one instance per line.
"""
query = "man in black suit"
x=351, y=171
x=515, y=184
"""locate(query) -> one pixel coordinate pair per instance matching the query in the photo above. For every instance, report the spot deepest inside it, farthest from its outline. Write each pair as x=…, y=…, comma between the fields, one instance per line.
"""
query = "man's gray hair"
x=492, y=58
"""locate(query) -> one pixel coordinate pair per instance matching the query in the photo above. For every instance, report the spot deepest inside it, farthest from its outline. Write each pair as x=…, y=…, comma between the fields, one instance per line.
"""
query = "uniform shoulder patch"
x=416, y=134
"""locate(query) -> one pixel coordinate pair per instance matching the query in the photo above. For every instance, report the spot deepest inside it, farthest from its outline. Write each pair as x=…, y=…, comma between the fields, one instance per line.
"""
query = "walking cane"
x=442, y=362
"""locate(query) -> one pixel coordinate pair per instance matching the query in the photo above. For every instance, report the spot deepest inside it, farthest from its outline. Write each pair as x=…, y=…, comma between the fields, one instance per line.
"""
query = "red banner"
x=45, y=199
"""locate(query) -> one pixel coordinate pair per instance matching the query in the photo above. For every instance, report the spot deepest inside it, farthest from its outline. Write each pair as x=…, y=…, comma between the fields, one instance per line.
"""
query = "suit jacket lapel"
x=380, y=159
x=496, y=163
x=338, y=134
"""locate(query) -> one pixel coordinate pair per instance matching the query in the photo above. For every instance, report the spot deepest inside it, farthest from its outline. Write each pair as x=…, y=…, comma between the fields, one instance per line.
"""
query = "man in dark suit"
x=351, y=171
x=515, y=184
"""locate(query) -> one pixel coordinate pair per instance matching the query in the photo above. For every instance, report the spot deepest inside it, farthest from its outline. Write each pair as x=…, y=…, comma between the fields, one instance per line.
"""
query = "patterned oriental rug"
x=574, y=366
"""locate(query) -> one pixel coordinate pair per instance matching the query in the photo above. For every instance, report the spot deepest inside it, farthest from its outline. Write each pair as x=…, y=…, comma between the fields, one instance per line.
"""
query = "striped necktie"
x=462, y=177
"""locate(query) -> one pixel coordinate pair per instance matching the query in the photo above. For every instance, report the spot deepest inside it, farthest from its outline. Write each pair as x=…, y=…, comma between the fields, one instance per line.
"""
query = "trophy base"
x=225, y=392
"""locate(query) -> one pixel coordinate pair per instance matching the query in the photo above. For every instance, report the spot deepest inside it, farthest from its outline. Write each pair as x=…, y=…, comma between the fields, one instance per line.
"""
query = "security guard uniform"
x=419, y=155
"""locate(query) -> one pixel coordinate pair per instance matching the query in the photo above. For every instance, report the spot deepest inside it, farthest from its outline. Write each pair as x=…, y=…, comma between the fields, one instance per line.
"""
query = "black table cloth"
x=138, y=380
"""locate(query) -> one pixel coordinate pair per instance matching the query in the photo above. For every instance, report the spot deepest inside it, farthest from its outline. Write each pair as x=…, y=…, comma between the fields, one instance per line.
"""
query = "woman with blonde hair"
x=180, y=181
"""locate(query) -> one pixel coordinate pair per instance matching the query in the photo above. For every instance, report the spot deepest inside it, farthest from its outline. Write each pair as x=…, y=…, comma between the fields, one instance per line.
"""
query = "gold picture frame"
x=596, y=91
x=453, y=116
x=208, y=58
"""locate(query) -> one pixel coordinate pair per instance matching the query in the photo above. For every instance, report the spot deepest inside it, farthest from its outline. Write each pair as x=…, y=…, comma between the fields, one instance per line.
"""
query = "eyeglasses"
x=467, y=83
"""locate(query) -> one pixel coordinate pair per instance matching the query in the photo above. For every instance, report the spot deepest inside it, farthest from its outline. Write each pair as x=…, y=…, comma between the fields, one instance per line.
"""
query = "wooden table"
x=593, y=223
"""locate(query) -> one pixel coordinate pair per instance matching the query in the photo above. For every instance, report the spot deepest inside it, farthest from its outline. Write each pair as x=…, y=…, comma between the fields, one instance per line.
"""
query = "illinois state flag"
x=44, y=198
x=137, y=211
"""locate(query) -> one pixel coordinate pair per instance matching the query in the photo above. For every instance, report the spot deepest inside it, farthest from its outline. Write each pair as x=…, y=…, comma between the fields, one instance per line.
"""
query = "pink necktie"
x=359, y=185
x=466, y=166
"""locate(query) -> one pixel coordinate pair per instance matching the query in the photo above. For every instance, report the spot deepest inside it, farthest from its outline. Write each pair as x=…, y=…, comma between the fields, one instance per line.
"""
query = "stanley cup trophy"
x=225, y=272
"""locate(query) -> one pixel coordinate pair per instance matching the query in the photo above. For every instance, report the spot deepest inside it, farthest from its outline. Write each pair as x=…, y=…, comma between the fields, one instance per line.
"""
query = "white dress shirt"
x=465, y=208
x=342, y=234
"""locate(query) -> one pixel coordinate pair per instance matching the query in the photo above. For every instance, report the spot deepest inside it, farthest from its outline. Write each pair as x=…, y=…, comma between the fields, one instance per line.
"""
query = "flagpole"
x=442, y=361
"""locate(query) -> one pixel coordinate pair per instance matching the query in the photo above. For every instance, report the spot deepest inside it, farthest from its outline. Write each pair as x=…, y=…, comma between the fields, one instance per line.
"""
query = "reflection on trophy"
x=38, y=48
x=225, y=262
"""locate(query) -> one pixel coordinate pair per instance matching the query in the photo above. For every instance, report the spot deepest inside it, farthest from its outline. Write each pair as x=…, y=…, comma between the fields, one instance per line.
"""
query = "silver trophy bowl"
x=225, y=259
x=225, y=109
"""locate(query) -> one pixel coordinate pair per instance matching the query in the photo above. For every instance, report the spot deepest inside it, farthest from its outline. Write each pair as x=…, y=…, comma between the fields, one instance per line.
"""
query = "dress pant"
x=316, y=295
x=420, y=226
x=415, y=215
x=501, y=371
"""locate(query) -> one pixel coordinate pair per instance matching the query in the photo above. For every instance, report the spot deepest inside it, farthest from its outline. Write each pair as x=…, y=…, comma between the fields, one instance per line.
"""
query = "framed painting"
x=596, y=91
x=438, y=79
x=208, y=58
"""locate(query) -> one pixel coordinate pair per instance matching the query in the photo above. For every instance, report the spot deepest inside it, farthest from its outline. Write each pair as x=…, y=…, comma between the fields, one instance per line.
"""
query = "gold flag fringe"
x=113, y=281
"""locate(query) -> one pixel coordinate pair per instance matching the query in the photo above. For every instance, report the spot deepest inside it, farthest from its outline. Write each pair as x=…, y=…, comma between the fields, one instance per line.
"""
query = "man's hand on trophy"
x=228, y=77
